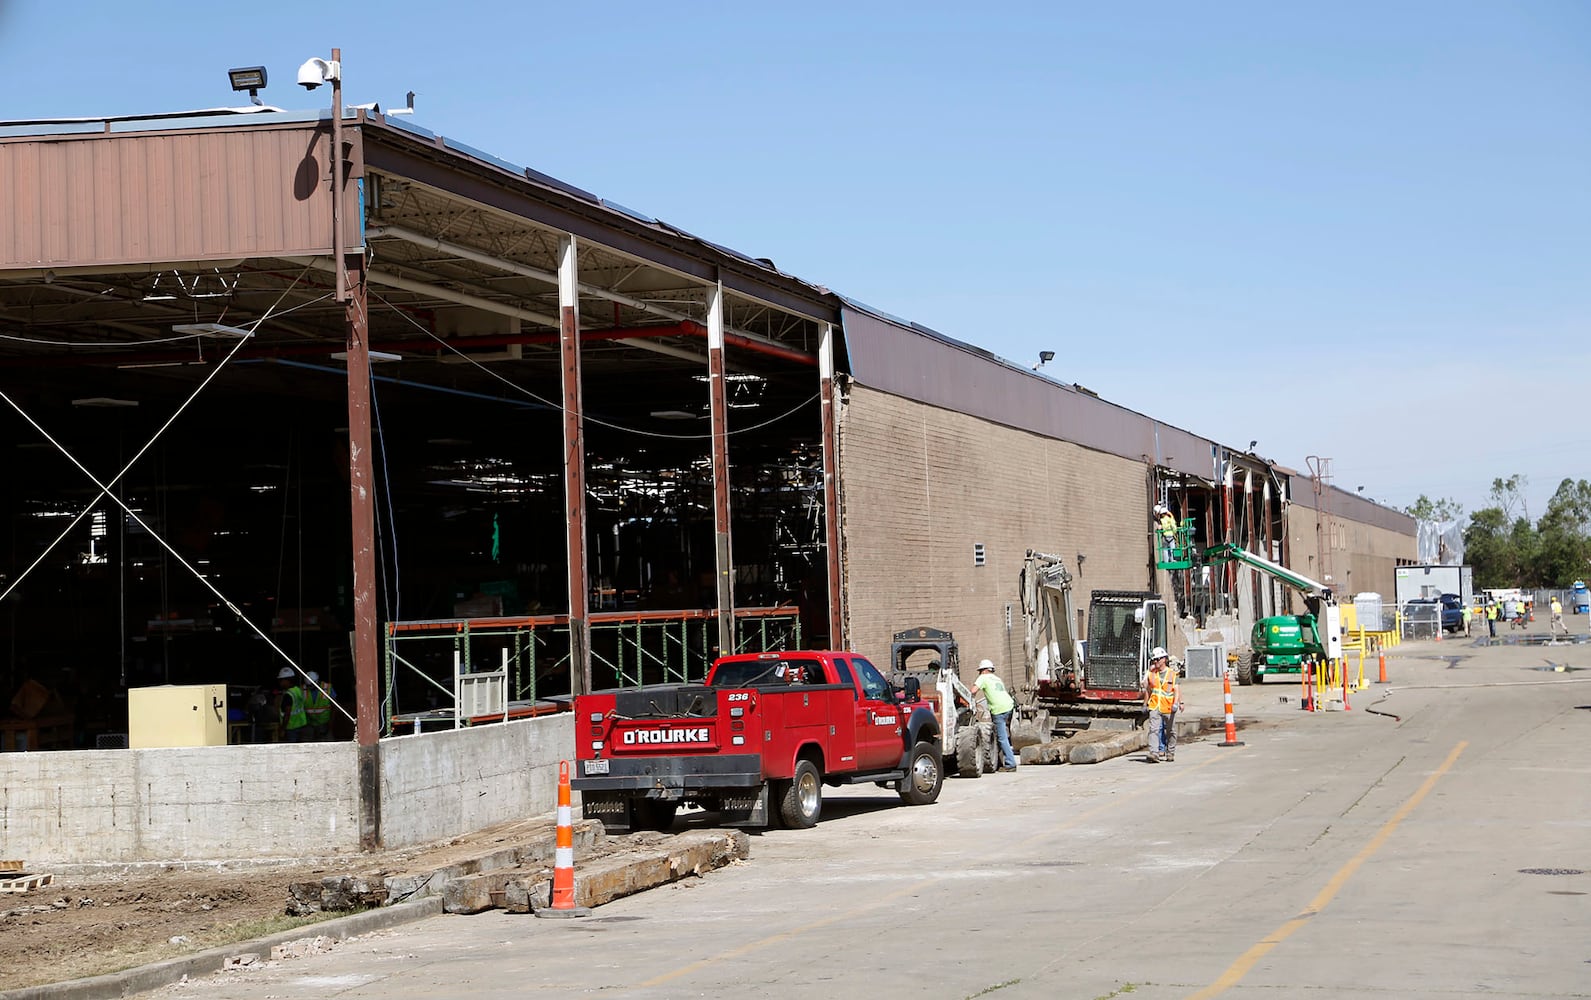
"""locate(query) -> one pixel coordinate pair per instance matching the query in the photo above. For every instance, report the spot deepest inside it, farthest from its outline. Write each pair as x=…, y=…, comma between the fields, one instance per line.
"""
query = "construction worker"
x=1491, y=619
x=1466, y=619
x=1167, y=526
x=1557, y=616
x=295, y=724
x=1001, y=705
x=1164, y=701
x=317, y=707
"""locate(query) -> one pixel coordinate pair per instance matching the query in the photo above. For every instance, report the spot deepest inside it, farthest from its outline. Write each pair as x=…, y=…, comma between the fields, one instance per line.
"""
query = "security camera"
x=315, y=72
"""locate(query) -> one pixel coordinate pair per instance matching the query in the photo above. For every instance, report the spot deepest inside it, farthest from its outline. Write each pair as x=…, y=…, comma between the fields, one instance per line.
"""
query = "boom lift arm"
x=1229, y=551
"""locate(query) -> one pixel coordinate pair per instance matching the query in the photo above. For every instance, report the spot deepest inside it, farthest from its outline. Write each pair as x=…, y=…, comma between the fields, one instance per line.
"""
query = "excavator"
x=1072, y=687
x=1283, y=644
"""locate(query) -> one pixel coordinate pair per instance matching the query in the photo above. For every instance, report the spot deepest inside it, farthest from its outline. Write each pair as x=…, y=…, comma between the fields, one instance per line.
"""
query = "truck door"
x=878, y=721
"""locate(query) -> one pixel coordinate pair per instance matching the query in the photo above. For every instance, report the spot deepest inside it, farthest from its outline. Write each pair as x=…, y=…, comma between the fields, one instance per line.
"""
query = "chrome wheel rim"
x=807, y=792
x=924, y=774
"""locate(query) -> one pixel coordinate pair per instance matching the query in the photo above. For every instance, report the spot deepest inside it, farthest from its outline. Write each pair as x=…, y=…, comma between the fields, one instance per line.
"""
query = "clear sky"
x=1354, y=230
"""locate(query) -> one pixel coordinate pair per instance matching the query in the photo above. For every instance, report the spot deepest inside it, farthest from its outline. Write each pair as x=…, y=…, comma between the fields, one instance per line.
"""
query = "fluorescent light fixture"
x=104, y=401
x=673, y=415
x=210, y=330
x=375, y=356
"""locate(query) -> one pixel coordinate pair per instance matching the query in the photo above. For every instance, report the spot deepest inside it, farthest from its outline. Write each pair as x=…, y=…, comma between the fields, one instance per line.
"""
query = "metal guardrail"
x=628, y=649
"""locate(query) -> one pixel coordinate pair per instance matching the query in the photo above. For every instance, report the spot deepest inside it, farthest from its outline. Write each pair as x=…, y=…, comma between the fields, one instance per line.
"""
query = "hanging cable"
x=395, y=599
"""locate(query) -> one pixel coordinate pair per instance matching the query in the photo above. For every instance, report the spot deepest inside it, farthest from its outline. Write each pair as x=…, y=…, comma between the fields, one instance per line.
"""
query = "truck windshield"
x=768, y=673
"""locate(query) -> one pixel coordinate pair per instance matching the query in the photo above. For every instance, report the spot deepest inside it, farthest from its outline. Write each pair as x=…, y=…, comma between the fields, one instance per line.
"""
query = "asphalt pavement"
x=1432, y=841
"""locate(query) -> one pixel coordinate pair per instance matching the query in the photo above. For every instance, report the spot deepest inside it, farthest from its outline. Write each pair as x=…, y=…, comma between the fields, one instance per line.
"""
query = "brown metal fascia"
x=392, y=151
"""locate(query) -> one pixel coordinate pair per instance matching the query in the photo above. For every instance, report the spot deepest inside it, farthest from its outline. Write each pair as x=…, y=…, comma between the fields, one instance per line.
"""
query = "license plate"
x=596, y=767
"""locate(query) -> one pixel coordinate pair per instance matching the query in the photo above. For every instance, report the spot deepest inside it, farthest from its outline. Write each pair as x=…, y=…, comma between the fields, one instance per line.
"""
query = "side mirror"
x=911, y=689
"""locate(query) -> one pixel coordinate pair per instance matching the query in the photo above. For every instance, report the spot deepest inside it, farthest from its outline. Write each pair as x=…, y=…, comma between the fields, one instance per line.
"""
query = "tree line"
x=1508, y=549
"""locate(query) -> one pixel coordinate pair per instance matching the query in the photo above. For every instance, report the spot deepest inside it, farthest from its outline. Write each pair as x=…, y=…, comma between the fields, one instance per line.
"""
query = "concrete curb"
x=150, y=977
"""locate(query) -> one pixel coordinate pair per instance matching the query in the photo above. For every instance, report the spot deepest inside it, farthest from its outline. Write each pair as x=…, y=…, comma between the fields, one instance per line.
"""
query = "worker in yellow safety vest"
x=1491, y=619
x=1167, y=526
x=317, y=707
x=1164, y=701
x=295, y=723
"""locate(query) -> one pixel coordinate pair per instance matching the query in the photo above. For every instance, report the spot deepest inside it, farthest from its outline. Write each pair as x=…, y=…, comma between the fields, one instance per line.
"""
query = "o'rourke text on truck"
x=755, y=742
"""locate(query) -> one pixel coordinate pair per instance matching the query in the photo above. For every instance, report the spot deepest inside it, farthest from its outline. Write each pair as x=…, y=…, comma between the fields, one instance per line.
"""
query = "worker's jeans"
x=1162, y=732
x=1002, y=738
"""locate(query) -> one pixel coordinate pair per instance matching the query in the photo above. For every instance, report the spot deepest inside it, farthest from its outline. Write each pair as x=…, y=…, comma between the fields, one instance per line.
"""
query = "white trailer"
x=1415, y=582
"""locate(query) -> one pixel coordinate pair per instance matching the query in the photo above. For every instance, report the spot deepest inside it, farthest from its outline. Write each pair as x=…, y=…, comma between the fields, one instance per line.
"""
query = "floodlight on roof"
x=249, y=78
x=210, y=330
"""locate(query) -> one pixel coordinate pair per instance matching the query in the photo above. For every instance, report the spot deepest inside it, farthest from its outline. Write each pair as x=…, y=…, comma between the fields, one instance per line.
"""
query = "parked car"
x=1452, y=613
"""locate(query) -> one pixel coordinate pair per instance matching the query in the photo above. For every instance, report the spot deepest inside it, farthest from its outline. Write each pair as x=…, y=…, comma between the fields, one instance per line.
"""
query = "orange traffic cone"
x=1381, y=655
x=563, y=866
x=1345, y=706
x=1309, y=686
x=1231, y=727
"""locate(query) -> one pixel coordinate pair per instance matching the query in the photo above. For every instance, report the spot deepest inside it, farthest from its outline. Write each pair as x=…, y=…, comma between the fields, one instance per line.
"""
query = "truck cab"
x=755, y=742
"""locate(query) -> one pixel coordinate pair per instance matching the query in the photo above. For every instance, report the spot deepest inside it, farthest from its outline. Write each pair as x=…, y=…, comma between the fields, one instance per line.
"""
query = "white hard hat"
x=1158, y=653
x=1161, y=508
x=313, y=677
x=286, y=673
x=985, y=665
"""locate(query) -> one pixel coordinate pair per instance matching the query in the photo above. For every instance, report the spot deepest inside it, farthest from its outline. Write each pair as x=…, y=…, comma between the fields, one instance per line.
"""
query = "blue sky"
x=1355, y=230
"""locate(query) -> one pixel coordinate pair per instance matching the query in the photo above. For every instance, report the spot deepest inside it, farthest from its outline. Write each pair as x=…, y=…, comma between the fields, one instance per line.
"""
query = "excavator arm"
x=1047, y=605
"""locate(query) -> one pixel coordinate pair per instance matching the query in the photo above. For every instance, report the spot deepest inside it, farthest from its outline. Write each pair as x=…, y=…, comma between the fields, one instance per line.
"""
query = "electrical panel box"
x=191, y=715
x=1205, y=662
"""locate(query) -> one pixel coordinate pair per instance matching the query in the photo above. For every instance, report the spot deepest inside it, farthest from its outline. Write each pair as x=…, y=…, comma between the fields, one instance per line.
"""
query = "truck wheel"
x=969, y=763
x=802, y=800
x=924, y=776
x=988, y=749
x=654, y=814
x=1245, y=667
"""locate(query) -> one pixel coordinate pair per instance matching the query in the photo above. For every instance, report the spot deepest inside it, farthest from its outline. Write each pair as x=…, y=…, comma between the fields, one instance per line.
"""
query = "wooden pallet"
x=25, y=883
x=6, y=867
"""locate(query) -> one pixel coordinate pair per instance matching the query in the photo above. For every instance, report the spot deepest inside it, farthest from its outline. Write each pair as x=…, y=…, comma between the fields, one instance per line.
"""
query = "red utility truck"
x=755, y=742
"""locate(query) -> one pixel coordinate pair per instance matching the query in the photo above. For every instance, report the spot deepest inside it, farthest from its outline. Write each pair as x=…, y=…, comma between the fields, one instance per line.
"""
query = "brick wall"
x=1361, y=557
x=921, y=485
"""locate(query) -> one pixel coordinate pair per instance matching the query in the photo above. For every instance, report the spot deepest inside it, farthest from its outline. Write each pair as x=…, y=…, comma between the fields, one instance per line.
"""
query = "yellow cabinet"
x=191, y=715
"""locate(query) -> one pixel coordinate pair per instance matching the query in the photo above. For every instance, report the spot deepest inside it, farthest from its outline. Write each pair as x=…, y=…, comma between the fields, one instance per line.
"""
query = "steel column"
x=719, y=410
x=574, y=467
x=362, y=492
x=831, y=485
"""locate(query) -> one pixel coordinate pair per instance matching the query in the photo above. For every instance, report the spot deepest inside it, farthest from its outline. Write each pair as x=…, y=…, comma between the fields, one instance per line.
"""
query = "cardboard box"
x=190, y=715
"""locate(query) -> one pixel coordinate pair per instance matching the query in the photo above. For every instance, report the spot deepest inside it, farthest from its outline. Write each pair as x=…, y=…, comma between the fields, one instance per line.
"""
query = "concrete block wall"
x=443, y=784
x=200, y=803
x=1365, y=556
x=920, y=485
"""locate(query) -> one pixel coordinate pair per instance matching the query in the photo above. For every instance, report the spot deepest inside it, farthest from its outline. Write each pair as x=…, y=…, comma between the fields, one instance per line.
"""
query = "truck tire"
x=969, y=762
x=989, y=750
x=654, y=814
x=1245, y=667
x=802, y=800
x=925, y=775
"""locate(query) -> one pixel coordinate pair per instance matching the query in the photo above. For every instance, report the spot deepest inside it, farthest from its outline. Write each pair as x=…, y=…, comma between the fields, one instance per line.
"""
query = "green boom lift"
x=1284, y=643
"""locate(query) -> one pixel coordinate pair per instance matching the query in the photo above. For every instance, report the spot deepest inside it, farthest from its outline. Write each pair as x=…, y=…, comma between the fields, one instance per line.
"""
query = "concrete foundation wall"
x=439, y=785
x=272, y=801
x=920, y=485
x=122, y=806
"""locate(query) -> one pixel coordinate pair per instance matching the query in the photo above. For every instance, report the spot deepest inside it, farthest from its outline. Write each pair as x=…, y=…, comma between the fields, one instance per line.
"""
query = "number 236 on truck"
x=755, y=742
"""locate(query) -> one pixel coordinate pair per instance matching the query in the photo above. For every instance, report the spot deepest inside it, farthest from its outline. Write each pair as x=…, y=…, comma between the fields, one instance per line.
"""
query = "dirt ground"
x=88, y=924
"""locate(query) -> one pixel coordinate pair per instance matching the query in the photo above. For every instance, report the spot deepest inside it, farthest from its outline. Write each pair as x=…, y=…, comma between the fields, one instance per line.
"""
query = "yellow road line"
x=1240, y=968
x=773, y=939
